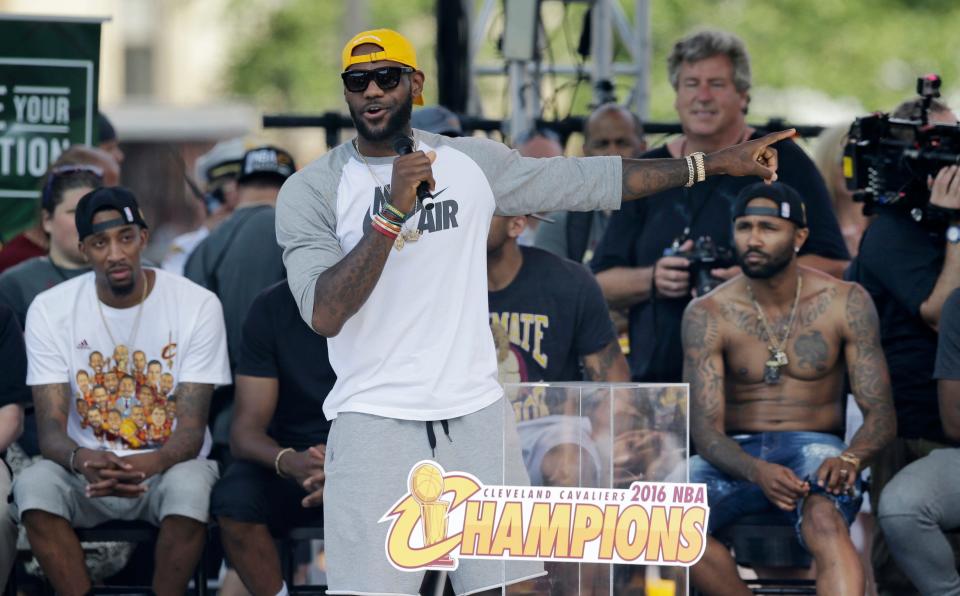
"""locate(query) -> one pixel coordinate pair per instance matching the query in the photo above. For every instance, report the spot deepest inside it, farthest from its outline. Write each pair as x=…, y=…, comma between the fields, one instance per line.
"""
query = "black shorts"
x=251, y=493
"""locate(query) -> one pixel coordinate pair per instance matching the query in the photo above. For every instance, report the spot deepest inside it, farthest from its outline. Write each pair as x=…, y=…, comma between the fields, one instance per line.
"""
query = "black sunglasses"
x=387, y=78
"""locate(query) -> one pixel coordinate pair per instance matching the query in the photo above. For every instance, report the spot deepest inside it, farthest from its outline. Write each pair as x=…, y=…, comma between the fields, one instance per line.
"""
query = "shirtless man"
x=767, y=405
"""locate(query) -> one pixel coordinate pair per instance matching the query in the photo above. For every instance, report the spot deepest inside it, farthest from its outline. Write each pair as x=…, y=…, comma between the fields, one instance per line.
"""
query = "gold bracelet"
x=850, y=459
x=276, y=461
x=701, y=169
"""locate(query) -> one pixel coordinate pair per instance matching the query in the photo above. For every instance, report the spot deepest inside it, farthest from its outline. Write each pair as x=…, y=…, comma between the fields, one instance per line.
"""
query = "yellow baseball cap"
x=396, y=48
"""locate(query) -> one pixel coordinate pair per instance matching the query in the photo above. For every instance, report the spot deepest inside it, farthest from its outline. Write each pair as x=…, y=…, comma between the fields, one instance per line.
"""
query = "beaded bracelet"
x=391, y=217
x=395, y=211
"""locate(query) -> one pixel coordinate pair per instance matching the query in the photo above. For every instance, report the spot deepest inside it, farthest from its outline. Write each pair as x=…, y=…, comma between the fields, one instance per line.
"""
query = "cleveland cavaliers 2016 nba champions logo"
x=447, y=516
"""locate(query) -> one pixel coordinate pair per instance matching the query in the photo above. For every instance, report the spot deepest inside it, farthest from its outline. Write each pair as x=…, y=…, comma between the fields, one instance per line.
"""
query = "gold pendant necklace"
x=407, y=233
x=778, y=355
x=136, y=320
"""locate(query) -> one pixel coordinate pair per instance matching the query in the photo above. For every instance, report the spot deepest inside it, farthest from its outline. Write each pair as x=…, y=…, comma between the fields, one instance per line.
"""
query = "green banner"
x=49, y=71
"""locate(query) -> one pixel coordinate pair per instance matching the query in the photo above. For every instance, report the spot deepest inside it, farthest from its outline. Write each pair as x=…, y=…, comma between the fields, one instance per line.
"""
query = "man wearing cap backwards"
x=169, y=319
x=765, y=356
x=400, y=292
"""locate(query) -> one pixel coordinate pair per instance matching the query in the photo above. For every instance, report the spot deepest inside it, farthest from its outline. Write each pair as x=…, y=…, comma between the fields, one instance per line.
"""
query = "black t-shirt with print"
x=638, y=234
x=552, y=314
x=278, y=344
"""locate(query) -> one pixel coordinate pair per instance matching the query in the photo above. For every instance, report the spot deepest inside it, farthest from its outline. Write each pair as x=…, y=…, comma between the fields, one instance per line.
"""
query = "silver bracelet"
x=73, y=457
x=690, y=170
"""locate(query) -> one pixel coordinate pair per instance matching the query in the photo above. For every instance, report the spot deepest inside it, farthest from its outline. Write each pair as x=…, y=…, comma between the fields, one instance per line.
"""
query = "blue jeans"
x=803, y=452
x=922, y=501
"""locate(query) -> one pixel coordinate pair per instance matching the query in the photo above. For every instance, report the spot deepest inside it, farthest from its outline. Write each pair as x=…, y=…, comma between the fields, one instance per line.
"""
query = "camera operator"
x=710, y=72
x=909, y=268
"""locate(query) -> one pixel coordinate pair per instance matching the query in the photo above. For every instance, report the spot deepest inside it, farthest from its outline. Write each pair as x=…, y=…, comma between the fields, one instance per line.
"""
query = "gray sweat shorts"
x=367, y=463
x=182, y=490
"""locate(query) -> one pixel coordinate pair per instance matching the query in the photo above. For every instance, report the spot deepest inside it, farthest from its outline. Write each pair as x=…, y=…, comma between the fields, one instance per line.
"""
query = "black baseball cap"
x=116, y=198
x=266, y=161
x=789, y=202
x=438, y=120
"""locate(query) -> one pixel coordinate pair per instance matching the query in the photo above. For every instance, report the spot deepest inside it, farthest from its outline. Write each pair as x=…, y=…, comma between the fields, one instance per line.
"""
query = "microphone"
x=402, y=146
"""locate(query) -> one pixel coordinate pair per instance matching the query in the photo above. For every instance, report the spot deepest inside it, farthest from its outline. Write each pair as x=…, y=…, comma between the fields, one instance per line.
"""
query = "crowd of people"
x=321, y=328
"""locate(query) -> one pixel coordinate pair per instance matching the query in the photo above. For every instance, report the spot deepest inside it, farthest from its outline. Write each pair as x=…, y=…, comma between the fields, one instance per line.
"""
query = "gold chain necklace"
x=136, y=321
x=407, y=234
x=778, y=356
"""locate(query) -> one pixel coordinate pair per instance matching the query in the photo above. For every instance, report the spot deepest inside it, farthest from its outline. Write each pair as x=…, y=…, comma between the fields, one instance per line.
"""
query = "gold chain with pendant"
x=778, y=355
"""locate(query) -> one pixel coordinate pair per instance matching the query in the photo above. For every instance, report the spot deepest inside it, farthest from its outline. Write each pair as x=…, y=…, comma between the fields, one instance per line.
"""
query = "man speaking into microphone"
x=401, y=293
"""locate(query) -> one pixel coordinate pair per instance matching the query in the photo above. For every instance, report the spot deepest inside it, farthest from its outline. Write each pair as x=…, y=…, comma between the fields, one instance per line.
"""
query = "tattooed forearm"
x=703, y=370
x=869, y=377
x=341, y=290
x=52, y=405
x=642, y=177
x=186, y=440
x=608, y=365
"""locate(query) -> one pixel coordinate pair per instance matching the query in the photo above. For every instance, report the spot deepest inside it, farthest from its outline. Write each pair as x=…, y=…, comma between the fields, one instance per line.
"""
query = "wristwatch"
x=953, y=234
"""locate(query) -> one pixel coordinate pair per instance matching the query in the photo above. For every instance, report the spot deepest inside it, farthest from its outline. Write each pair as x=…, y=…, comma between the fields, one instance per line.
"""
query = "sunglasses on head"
x=46, y=197
x=387, y=78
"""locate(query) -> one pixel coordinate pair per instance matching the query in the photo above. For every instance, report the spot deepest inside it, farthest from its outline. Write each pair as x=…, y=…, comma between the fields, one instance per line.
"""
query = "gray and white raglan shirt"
x=420, y=348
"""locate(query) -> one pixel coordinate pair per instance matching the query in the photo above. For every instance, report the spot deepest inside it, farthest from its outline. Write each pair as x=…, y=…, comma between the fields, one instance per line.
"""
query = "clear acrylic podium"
x=596, y=435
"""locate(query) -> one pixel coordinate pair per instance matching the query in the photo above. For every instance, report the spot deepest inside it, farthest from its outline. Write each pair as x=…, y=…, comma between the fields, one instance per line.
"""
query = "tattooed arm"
x=608, y=365
x=642, y=177
x=703, y=369
x=186, y=440
x=869, y=378
x=52, y=405
x=341, y=290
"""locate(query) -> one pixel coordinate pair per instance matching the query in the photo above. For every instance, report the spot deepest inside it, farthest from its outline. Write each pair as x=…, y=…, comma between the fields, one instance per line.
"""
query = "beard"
x=774, y=264
x=395, y=125
x=123, y=289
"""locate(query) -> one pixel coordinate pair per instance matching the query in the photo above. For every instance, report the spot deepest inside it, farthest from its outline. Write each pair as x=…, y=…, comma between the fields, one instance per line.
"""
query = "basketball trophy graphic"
x=426, y=486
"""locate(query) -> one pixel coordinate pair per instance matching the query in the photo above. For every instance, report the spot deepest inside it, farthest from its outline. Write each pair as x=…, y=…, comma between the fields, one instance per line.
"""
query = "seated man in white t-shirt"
x=101, y=462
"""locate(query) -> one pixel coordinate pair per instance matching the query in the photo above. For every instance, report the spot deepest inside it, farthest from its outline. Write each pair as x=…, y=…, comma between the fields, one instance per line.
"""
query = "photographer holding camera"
x=909, y=262
x=653, y=252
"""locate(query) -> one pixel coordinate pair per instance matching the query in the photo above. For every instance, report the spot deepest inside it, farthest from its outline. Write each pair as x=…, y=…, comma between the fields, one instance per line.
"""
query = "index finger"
x=122, y=475
x=119, y=461
x=99, y=464
x=311, y=482
x=314, y=499
x=773, y=137
x=674, y=262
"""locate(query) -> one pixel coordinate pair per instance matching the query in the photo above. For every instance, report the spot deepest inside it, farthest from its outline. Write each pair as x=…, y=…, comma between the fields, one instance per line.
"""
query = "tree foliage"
x=870, y=51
